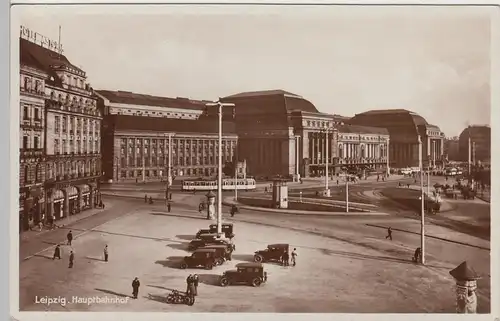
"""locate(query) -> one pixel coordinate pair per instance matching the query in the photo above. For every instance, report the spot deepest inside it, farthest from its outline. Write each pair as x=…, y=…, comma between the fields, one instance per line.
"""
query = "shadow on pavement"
x=185, y=237
x=114, y=293
x=179, y=246
x=243, y=257
x=173, y=262
x=43, y=256
x=209, y=279
x=94, y=258
x=155, y=297
x=53, y=243
x=160, y=287
x=378, y=258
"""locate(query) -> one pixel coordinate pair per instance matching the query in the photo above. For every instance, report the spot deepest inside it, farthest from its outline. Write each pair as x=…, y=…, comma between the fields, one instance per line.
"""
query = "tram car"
x=228, y=184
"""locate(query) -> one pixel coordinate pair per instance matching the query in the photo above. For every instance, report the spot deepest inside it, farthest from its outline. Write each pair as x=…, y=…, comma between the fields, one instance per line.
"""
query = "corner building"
x=147, y=137
x=71, y=139
x=480, y=138
x=404, y=128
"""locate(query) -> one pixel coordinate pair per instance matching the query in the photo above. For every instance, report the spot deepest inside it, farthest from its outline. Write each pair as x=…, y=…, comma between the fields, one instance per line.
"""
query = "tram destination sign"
x=40, y=40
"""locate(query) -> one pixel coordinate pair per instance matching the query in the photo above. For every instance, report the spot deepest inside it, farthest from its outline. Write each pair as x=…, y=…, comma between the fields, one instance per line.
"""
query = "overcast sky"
x=435, y=62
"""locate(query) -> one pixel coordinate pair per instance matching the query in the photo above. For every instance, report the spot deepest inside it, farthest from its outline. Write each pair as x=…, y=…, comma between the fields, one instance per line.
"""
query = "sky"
x=345, y=60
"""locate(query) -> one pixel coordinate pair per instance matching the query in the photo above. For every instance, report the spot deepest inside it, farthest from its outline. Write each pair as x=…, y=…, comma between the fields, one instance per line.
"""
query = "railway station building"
x=405, y=128
x=147, y=137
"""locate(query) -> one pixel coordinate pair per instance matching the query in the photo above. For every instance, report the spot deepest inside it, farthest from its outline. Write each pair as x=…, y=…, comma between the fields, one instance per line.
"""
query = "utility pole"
x=219, y=104
x=236, y=176
x=422, y=196
x=387, y=156
x=297, y=151
x=327, y=190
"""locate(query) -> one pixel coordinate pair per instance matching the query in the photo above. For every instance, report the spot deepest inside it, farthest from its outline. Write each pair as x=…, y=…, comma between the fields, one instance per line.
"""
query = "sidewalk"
x=27, y=235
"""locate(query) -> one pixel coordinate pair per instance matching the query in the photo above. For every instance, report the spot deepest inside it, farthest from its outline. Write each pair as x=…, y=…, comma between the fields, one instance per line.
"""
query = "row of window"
x=34, y=174
x=65, y=146
x=175, y=141
x=121, y=111
x=182, y=161
x=161, y=173
x=31, y=142
x=31, y=84
x=89, y=125
x=31, y=112
x=72, y=99
x=160, y=152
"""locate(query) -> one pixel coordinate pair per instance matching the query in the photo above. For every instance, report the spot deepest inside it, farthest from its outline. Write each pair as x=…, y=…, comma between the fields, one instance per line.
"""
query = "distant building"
x=451, y=149
x=68, y=151
x=146, y=137
x=280, y=132
x=404, y=128
x=480, y=137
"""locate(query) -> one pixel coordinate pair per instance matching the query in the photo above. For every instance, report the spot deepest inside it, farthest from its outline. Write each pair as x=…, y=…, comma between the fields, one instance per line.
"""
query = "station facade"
x=173, y=137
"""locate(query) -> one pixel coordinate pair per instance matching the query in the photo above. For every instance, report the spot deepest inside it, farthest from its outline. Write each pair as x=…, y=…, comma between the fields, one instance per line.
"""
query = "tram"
x=211, y=184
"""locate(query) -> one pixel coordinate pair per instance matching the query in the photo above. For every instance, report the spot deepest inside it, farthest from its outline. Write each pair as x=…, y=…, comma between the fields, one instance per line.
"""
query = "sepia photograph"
x=256, y=159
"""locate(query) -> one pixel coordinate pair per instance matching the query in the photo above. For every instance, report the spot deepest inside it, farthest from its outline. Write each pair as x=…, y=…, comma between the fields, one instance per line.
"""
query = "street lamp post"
x=219, y=104
x=422, y=196
x=327, y=190
x=297, y=151
x=236, y=176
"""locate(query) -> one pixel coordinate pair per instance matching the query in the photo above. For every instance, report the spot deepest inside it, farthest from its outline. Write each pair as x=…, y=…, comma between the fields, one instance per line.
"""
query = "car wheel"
x=209, y=266
x=184, y=265
x=224, y=282
x=220, y=261
x=258, y=258
x=170, y=299
x=256, y=282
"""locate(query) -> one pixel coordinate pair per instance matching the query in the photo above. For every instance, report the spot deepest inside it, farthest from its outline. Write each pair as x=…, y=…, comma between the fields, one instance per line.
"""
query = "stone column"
x=91, y=196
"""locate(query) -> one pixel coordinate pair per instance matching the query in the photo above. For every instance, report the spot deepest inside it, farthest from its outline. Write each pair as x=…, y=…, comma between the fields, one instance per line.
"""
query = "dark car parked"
x=205, y=240
x=202, y=257
x=227, y=229
x=223, y=252
x=245, y=273
x=274, y=252
x=202, y=231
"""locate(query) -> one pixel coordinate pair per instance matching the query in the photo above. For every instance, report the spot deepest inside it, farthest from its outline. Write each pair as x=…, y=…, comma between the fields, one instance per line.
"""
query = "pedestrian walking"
x=69, y=236
x=57, y=252
x=71, y=259
x=135, y=287
x=286, y=258
x=106, y=253
x=168, y=207
x=170, y=196
x=389, y=233
x=294, y=255
x=196, y=281
x=146, y=198
x=189, y=281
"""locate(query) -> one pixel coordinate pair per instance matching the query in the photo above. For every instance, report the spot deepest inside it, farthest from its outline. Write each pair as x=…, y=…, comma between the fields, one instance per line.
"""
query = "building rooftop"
x=157, y=124
x=45, y=59
x=393, y=116
x=357, y=129
x=130, y=98
x=262, y=93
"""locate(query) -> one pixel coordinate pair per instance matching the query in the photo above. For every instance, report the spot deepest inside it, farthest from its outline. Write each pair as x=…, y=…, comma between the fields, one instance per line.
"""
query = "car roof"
x=204, y=250
x=208, y=235
x=249, y=264
x=214, y=246
x=278, y=245
x=204, y=229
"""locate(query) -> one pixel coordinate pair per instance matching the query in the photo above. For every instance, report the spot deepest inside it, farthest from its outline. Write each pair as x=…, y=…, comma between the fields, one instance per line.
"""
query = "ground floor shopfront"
x=362, y=168
x=56, y=200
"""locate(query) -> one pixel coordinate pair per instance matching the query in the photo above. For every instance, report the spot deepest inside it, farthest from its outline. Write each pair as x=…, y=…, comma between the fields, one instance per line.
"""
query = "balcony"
x=30, y=153
x=33, y=92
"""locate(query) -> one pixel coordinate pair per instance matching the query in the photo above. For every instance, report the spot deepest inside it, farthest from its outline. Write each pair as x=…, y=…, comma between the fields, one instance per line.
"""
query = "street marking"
x=81, y=234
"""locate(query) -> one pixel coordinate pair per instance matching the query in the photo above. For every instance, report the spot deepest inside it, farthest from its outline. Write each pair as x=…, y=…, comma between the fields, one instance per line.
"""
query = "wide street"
x=345, y=258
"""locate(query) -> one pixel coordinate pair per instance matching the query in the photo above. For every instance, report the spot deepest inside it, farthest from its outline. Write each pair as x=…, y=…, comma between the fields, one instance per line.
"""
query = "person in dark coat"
x=169, y=207
x=135, y=287
x=69, y=236
x=389, y=233
x=106, y=253
x=146, y=198
x=286, y=259
x=71, y=259
x=57, y=252
x=189, y=281
x=196, y=282
x=417, y=255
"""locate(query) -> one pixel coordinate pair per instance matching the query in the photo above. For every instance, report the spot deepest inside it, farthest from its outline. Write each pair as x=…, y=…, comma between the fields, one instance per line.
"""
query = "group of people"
x=285, y=258
x=69, y=239
x=192, y=282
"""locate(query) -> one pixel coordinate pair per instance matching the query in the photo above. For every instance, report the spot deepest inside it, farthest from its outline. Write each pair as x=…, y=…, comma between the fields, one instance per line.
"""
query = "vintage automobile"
x=202, y=231
x=223, y=252
x=227, y=229
x=245, y=273
x=201, y=257
x=274, y=252
x=206, y=239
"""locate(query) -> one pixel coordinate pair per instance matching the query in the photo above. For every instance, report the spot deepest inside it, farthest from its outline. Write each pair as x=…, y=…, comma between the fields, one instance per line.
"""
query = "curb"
x=342, y=205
